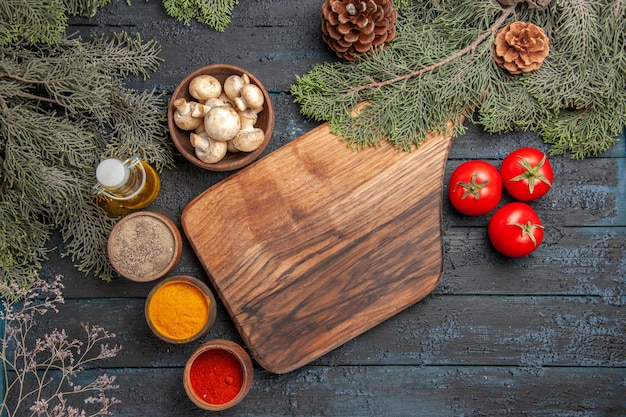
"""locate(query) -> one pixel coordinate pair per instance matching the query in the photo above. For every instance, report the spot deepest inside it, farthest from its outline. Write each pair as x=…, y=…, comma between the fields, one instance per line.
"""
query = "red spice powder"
x=216, y=376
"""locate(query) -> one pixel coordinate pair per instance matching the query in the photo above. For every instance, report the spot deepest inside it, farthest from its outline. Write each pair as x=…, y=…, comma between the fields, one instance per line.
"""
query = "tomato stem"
x=471, y=188
x=531, y=173
x=527, y=230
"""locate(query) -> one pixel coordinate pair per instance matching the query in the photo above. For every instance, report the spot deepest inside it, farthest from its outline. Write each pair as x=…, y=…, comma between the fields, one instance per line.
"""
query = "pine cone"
x=352, y=28
x=520, y=47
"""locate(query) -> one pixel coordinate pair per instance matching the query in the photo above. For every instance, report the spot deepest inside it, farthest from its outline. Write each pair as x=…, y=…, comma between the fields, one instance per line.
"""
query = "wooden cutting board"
x=315, y=243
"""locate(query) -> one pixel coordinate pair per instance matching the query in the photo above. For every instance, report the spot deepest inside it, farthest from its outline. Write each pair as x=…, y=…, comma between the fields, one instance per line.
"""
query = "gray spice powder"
x=142, y=248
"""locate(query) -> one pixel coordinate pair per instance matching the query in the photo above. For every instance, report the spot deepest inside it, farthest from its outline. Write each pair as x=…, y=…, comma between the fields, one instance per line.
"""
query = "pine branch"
x=46, y=173
x=585, y=132
x=22, y=240
x=85, y=8
x=32, y=21
x=41, y=22
x=124, y=54
x=522, y=113
x=214, y=13
x=63, y=107
x=468, y=49
x=140, y=131
x=89, y=253
x=440, y=67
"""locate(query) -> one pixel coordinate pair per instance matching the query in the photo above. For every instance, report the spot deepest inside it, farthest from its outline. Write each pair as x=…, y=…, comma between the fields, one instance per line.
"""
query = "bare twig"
x=26, y=80
x=33, y=81
x=468, y=49
x=39, y=98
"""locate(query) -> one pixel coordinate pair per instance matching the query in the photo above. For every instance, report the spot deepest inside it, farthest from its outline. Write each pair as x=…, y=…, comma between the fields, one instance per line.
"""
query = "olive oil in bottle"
x=124, y=186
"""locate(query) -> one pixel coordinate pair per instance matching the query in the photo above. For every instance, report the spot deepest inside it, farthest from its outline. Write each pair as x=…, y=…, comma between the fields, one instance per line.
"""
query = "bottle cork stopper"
x=112, y=173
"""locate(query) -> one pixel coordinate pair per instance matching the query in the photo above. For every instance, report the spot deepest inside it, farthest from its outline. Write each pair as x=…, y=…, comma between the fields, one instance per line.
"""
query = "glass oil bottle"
x=124, y=186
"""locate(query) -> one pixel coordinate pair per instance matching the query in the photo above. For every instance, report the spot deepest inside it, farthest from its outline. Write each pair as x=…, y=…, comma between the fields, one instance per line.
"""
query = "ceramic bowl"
x=216, y=354
x=231, y=161
x=170, y=313
x=144, y=246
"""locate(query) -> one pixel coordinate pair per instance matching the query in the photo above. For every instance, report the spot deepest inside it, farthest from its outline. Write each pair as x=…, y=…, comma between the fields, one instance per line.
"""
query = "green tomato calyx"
x=527, y=230
x=531, y=173
x=472, y=187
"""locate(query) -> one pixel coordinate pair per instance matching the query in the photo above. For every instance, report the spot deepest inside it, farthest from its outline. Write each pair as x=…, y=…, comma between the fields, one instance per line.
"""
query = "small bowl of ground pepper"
x=144, y=246
x=180, y=309
x=218, y=375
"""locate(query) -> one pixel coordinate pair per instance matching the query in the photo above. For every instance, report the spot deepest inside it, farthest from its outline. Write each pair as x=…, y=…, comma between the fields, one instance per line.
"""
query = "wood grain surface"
x=317, y=243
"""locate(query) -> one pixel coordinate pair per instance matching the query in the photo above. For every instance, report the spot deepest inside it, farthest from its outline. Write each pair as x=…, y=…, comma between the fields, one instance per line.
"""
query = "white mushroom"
x=233, y=85
x=204, y=87
x=249, y=137
x=200, y=141
x=222, y=123
x=251, y=97
x=220, y=101
x=200, y=110
x=183, y=117
x=231, y=146
x=226, y=100
x=200, y=129
x=207, y=150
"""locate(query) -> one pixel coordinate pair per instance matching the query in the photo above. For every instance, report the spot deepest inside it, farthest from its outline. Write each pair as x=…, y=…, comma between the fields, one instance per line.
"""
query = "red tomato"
x=515, y=229
x=526, y=174
x=475, y=188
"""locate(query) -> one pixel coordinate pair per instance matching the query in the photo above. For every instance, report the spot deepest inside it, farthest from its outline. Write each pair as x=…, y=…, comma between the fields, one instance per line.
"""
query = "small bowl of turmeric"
x=180, y=309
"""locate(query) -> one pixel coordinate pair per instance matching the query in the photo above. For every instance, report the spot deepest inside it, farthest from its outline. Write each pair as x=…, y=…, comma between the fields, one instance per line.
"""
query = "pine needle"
x=63, y=108
x=440, y=68
x=213, y=13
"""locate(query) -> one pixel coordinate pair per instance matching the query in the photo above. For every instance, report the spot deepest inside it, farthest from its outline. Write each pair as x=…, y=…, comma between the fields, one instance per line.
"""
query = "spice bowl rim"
x=231, y=161
x=246, y=366
x=178, y=244
x=198, y=284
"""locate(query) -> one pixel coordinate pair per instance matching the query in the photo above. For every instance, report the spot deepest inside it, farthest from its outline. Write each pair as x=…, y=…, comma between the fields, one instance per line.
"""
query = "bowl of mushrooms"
x=220, y=117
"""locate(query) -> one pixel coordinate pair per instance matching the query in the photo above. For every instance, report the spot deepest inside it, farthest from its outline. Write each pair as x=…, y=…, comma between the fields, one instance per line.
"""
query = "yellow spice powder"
x=179, y=310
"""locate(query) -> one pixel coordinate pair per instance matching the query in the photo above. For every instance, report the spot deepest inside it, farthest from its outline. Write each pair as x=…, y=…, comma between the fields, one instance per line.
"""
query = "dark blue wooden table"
x=542, y=335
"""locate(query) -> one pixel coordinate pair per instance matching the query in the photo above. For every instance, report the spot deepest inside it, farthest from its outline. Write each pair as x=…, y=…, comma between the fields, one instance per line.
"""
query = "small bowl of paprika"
x=180, y=309
x=218, y=375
